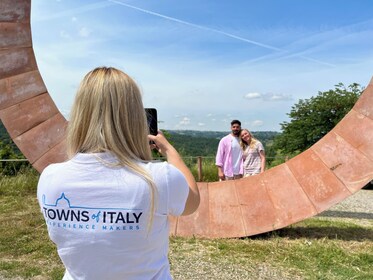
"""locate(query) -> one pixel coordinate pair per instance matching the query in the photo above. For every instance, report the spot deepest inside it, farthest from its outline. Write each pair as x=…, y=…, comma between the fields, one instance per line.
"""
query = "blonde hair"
x=244, y=144
x=108, y=116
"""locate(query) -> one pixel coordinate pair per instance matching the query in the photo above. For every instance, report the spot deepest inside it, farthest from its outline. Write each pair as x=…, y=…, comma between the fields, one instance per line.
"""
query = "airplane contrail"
x=288, y=54
x=199, y=26
x=223, y=33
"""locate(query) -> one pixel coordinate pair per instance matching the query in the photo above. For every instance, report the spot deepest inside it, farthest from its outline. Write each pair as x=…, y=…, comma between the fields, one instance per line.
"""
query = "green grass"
x=323, y=253
x=209, y=169
x=25, y=249
x=317, y=248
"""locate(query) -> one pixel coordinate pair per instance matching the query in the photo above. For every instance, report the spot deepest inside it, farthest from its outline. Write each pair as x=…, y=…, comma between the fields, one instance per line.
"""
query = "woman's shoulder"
x=259, y=144
x=162, y=169
x=54, y=168
x=157, y=166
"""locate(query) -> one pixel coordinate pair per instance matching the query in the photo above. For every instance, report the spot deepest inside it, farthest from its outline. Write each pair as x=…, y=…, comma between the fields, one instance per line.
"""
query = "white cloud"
x=257, y=123
x=268, y=96
x=277, y=97
x=201, y=124
x=253, y=95
x=185, y=121
x=74, y=19
x=84, y=32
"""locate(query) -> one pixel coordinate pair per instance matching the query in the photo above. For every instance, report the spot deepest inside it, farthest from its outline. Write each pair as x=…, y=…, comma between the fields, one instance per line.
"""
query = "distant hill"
x=205, y=143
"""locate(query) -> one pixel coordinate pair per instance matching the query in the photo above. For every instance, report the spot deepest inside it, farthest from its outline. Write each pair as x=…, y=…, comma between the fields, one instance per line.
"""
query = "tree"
x=311, y=119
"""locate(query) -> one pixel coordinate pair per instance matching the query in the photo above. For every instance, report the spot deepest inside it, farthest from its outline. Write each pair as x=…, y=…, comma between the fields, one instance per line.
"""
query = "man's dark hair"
x=235, y=122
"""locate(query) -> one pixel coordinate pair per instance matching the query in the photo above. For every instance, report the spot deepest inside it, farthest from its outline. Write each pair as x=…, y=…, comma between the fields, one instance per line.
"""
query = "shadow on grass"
x=329, y=232
x=344, y=214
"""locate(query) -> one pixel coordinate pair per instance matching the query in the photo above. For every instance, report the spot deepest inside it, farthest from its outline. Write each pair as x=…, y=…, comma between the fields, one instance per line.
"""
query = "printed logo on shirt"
x=63, y=214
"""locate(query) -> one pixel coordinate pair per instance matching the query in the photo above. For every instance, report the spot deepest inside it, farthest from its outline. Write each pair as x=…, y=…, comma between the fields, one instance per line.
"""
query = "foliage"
x=9, y=151
x=189, y=145
x=209, y=171
x=311, y=119
x=277, y=157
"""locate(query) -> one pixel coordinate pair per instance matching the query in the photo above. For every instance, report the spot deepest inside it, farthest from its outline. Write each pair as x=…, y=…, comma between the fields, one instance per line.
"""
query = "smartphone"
x=151, y=115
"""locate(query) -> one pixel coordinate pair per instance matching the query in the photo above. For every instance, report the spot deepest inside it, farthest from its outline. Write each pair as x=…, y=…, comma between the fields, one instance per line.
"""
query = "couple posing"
x=239, y=154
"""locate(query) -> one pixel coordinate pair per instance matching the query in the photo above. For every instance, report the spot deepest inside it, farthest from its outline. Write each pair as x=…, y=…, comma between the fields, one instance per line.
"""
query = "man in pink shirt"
x=229, y=155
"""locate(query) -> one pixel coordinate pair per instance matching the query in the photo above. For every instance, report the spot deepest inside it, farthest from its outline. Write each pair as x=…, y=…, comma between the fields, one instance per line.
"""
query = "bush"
x=12, y=161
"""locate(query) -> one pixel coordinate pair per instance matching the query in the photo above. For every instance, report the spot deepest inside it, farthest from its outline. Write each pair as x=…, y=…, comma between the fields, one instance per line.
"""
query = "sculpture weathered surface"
x=334, y=168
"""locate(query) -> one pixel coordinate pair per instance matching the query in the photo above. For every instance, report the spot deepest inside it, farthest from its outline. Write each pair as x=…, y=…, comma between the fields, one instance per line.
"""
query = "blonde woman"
x=107, y=207
x=253, y=154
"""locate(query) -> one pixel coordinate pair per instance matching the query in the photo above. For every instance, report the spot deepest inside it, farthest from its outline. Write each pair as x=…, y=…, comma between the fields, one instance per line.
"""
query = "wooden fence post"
x=199, y=168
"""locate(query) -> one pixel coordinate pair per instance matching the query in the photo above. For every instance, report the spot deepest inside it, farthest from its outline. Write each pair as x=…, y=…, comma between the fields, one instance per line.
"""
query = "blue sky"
x=204, y=63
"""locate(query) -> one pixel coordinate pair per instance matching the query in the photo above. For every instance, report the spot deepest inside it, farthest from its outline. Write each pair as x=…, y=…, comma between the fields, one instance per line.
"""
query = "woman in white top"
x=253, y=154
x=107, y=207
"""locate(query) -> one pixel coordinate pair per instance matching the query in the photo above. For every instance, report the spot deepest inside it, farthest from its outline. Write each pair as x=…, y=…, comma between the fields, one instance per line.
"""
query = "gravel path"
x=360, y=202
x=357, y=208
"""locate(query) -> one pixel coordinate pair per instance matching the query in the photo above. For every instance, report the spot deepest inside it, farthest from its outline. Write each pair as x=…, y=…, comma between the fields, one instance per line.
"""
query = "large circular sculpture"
x=334, y=168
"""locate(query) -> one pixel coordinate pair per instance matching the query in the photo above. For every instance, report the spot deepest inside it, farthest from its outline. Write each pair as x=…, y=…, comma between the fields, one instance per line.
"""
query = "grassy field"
x=318, y=248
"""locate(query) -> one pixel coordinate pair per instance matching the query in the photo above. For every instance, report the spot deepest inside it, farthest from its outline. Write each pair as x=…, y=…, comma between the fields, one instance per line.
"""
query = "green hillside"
x=205, y=143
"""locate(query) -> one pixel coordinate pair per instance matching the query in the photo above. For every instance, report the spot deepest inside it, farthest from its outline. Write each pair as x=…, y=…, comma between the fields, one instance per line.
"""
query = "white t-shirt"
x=98, y=216
x=236, y=155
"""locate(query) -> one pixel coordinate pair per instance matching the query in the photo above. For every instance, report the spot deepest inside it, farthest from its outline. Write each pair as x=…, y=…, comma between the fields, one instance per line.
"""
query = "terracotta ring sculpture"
x=334, y=168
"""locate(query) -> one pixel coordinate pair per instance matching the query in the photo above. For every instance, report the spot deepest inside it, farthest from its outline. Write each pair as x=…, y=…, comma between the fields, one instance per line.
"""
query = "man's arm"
x=221, y=174
x=220, y=159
